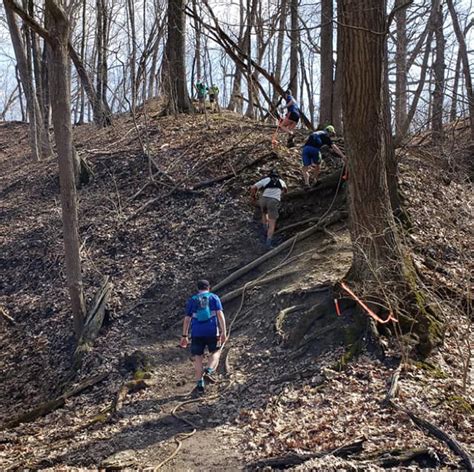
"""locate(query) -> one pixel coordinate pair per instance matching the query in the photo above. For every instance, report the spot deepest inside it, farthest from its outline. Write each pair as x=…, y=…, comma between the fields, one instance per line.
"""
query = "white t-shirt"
x=270, y=192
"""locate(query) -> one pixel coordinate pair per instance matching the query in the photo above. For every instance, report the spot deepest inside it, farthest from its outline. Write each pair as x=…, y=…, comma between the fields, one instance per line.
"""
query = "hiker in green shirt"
x=201, y=93
x=214, y=98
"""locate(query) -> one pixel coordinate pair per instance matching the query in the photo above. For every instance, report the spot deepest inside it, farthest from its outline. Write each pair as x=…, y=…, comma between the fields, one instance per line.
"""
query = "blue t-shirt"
x=206, y=328
x=294, y=106
x=318, y=139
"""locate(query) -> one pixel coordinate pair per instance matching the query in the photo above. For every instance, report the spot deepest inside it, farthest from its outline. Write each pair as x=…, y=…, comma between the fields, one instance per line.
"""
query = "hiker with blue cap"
x=311, y=153
x=205, y=317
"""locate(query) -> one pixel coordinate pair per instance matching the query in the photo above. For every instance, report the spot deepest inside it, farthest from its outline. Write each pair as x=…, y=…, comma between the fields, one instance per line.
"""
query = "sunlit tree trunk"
x=401, y=100
x=327, y=65
x=295, y=40
x=438, y=71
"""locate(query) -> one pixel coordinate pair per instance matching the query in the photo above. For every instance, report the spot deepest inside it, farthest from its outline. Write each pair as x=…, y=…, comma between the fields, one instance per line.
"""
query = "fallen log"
x=326, y=221
x=45, y=408
x=293, y=459
x=423, y=456
x=441, y=435
x=93, y=322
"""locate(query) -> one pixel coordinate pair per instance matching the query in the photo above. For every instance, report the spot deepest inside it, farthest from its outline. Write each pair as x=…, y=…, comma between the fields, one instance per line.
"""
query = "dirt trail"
x=276, y=397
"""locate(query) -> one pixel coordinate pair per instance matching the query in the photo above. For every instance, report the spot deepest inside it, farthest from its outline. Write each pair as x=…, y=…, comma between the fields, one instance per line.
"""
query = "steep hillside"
x=154, y=222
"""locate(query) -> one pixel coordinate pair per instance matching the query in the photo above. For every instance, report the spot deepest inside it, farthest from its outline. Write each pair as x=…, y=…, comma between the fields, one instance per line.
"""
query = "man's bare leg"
x=316, y=171
x=271, y=228
x=305, y=172
x=214, y=360
x=197, y=368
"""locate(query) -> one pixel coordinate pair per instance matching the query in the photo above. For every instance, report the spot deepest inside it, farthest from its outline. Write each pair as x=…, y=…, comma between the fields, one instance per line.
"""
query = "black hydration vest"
x=274, y=182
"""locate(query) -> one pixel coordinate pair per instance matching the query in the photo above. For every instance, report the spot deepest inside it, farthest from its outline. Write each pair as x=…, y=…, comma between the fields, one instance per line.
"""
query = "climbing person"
x=201, y=94
x=289, y=122
x=205, y=320
x=311, y=152
x=273, y=187
x=214, y=98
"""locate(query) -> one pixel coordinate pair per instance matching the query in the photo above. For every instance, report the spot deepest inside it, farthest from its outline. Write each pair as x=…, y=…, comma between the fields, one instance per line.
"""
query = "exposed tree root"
x=293, y=459
x=328, y=220
x=280, y=319
x=235, y=293
x=332, y=181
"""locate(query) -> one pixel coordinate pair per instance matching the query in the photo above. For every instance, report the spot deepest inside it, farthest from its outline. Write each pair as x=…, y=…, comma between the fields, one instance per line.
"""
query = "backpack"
x=203, y=310
x=274, y=182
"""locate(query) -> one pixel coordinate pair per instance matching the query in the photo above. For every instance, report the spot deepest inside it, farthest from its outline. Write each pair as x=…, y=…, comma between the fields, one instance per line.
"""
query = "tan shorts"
x=270, y=206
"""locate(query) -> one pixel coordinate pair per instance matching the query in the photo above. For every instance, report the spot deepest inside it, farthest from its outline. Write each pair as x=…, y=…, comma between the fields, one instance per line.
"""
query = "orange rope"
x=366, y=308
x=336, y=303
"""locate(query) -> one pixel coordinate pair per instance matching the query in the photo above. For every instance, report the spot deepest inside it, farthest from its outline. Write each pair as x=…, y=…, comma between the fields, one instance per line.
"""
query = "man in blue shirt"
x=311, y=154
x=205, y=317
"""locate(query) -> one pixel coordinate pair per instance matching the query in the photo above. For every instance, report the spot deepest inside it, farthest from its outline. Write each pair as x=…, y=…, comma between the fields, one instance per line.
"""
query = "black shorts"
x=212, y=98
x=198, y=344
x=293, y=116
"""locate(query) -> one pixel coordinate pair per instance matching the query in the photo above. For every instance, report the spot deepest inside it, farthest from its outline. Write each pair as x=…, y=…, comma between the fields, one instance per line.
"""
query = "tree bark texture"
x=375, y=243
x=174, y=70
x=401, y=98
x=294, y=46
x=61, y=107
x=327, y=63
x=438, y=69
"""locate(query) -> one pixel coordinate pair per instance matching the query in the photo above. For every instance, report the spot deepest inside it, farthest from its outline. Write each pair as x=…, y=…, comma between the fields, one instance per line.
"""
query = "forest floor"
x=277, y=394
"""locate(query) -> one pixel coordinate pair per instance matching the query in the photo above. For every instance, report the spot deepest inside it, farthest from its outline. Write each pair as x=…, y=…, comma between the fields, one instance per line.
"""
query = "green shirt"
x=201, y=89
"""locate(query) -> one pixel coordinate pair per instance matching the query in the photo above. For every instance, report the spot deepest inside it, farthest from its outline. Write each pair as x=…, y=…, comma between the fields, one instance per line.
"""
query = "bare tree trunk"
x=235, y=102
x=61, y=107
x=378, y=260
x=337, y=90
x=327, y=63
x=279, y=50
x=465, y=63
x=454, y=100
x=82, y=97
x=401, y=100
x=197, y=47
x=295, y=40
x=39, y=139
x=132, y=37
x=438, y=69
x=421, y=83
x=252, y=12
x=174, y=69
x=375, y=243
